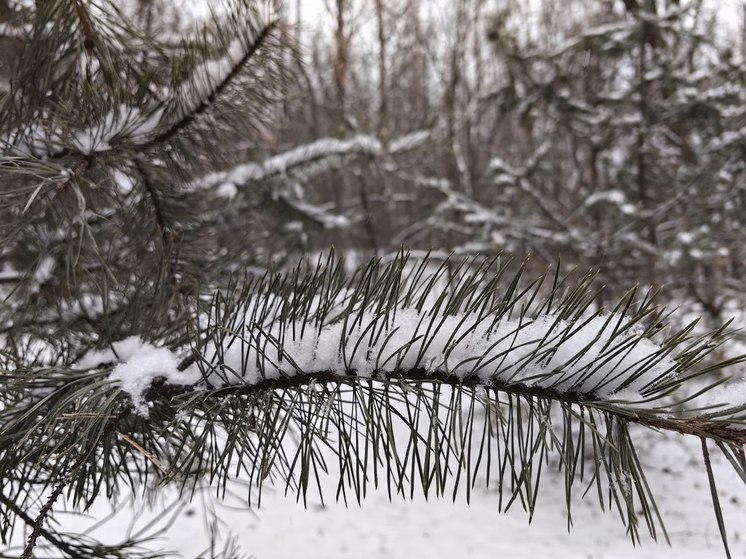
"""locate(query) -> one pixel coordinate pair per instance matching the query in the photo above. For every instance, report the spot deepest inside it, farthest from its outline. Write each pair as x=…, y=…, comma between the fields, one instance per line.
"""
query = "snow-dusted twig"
x=299, y=157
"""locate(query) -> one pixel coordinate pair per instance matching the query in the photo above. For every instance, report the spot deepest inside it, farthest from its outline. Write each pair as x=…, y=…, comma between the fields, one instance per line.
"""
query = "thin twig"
x=38, y=522
x=138, y=447
x=718, y=430
x=46, y=534
x=189, y=117
x=157, y=209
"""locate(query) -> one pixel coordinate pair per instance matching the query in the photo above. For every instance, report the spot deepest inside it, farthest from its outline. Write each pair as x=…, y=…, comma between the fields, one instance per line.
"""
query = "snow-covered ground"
x=441, y=529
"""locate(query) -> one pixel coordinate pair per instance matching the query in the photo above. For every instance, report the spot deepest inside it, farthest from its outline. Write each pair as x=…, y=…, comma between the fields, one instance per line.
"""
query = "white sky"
x=319, y=13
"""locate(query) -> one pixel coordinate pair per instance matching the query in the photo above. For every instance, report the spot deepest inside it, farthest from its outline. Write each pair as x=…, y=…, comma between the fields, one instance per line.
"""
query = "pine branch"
x=298, y=158
x=291, y=160
x=403, y=348
x=157, y=209
x=724, y=431
x=38, y=523
x=215, y=90
x=37, y=528
x=86, y=26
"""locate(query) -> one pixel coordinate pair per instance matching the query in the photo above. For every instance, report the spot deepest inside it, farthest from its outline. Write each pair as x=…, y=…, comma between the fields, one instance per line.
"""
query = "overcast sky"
x=729, y=12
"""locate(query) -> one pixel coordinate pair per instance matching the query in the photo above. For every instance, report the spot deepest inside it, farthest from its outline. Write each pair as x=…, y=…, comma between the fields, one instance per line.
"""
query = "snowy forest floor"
x=440, y=528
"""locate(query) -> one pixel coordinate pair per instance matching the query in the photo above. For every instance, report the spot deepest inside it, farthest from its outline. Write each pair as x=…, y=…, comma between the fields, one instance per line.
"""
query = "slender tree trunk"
x=281, y=11
x=640, y=149
x=382, y=78
x=455, y=79
x=341, y=62
x=743, y=29
x=420, y=70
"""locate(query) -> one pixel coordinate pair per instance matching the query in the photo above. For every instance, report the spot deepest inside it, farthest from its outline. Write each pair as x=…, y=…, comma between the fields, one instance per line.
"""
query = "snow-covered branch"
x=317, y=151
x=459, y=331
x=288, y=161
x=213, y=77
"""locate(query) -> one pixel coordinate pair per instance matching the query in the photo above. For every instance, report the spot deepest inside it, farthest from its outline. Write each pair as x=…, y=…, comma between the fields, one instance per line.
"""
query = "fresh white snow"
x=283, y=528
x=284, y=162
x=138, y=364
x=123, y=123
x=547, y=352
x=587, y=357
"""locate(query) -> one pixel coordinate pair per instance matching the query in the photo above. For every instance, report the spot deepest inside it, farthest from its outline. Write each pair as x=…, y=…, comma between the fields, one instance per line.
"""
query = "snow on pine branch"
x=15, y=30
x=590, y=358
x=137, y=365
x=552, y=346
x=45, y=139
x=211, y=78
x=282, y=163
x=51, y=137
x=125, y=123
x=314, y=152
x=595, y=359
